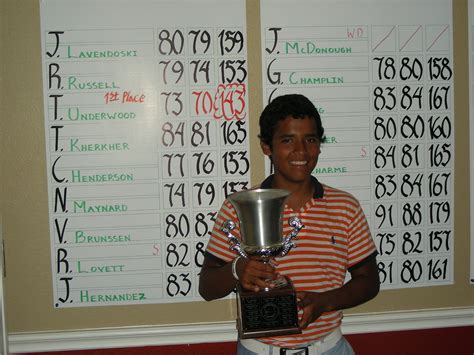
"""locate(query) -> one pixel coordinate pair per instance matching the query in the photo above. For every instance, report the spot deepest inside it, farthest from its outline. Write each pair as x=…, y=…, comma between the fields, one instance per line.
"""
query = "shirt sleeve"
x=361, y=244
x=218, y=244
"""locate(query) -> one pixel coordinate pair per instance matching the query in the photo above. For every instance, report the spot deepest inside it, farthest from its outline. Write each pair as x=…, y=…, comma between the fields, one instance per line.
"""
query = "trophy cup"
x=271, y=311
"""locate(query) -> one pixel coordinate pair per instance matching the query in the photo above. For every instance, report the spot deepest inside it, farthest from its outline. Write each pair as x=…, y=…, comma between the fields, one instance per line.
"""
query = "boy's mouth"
x=298, y=162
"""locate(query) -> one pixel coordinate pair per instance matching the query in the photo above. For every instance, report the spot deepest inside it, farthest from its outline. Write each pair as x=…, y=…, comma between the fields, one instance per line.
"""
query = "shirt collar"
x=318, y=188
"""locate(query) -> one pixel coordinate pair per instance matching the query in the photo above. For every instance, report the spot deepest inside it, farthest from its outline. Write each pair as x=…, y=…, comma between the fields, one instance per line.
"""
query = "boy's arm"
x=215, y=280
x=363, y=286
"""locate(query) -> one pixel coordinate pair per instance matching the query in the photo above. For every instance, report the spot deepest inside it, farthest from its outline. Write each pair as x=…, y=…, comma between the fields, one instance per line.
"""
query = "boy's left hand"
x=311, y=305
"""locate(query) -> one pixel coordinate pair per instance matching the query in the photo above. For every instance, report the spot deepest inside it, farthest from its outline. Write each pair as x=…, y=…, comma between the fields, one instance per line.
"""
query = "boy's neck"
x=301, y=193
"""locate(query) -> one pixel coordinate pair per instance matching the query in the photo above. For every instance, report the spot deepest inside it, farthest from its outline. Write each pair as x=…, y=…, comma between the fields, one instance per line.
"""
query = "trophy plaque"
x=273, y=311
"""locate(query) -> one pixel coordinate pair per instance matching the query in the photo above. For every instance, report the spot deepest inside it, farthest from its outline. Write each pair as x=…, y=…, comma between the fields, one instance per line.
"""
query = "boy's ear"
x=266, y=149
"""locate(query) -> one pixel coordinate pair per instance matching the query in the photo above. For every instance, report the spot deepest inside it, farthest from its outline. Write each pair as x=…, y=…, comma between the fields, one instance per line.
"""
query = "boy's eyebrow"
x=283, y=135
x=293, y=134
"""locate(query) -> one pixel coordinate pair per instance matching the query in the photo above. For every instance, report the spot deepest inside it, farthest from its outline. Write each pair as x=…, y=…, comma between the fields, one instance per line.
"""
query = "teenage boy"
x=335, y=239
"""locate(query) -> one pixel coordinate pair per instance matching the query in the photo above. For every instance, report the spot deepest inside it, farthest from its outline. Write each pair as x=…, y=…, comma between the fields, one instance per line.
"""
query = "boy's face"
x=294, y=150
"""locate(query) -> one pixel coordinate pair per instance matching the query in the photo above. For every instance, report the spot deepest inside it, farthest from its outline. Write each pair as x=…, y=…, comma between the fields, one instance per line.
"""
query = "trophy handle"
x=288, y=243
x=227, y=227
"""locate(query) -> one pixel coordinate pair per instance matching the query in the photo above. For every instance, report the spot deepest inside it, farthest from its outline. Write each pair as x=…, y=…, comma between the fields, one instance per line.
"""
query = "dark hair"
x=294, y=105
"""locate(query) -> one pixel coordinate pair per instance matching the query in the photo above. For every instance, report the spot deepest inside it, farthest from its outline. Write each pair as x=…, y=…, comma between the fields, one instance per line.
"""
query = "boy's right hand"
x=256, y=275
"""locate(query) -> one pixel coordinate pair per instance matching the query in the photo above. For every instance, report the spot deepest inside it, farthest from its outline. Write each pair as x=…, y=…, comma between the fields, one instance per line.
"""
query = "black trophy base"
x=267, y=313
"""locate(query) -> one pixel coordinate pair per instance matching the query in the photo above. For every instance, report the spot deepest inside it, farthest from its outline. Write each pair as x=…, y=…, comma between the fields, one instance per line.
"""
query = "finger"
x=251, y=287
x=258, y=265
x=256, y=286
x=260, y=270
x=303, y=303
x=266, y=275
x=265, y=282
x=251, y=281
x=250, y=273
x=304, y=321
x=302, y=324
x=256, y=275
x=303, y=299
x=273, y=262
x=257, y=283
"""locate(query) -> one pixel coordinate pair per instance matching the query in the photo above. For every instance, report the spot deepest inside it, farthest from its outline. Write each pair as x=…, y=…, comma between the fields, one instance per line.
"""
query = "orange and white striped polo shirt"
x=335, y=237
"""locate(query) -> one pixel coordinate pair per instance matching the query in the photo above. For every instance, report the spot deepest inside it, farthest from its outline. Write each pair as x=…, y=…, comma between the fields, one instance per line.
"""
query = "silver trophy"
x=260, y=213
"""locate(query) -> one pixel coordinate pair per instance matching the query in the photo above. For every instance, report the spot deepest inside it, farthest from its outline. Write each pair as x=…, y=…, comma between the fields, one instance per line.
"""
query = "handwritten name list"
x=146, y=130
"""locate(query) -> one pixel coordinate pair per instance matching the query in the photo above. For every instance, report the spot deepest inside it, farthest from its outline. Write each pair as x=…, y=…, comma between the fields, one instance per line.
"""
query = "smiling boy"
x=335, y=239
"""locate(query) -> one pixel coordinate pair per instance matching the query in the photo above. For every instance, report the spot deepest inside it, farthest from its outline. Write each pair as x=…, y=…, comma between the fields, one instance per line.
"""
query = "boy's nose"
x=300, y=146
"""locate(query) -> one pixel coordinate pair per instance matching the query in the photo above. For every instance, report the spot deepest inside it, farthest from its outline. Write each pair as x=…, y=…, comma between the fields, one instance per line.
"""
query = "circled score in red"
x=227, y=102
